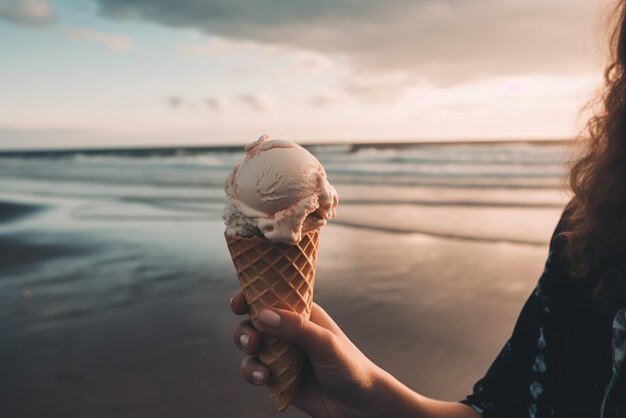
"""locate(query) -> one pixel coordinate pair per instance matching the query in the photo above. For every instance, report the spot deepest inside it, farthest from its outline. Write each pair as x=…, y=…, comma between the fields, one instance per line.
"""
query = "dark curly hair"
x=596, y=232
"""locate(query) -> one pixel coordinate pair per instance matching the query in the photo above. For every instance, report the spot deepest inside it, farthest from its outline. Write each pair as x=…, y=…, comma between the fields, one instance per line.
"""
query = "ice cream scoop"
x=280, y=190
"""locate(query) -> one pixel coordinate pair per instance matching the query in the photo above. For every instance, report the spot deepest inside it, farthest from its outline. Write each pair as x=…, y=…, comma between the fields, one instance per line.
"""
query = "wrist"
x=392, y=398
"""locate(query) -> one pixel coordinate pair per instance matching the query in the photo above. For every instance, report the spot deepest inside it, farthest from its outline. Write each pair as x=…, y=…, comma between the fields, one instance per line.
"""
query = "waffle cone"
x=282, y=276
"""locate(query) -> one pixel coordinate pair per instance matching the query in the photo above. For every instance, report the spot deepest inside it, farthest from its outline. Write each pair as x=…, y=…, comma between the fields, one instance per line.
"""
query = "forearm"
x=397, y=400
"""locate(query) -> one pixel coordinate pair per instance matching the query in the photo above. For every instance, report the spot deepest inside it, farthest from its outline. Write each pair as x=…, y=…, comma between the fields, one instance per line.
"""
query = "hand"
x=339, y=380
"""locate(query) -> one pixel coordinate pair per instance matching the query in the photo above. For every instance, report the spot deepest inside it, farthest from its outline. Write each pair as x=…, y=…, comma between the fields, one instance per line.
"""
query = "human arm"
x=341, y=381
x=522, y=380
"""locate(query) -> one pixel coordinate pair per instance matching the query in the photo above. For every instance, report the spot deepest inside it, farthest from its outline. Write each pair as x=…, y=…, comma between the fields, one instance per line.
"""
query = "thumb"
x=317, y=342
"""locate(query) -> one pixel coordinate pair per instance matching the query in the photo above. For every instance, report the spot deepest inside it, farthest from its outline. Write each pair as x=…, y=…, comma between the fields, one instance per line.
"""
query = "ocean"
x=415, y=180
x=115, y=279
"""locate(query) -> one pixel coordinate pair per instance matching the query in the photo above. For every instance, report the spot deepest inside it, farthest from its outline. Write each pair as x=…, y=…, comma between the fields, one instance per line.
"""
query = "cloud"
x=383, y=88
x=327, y=98
x=256, y=101
x=306, y=64
x=219, y=45
x=301, y=62
x=437, y=41
x=115, y=43
x=219, y=103
x=260, y=102
x=175, y=101
x=36, y=13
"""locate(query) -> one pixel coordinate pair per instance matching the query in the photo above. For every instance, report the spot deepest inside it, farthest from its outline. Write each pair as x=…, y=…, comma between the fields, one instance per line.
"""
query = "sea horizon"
x=355, y=145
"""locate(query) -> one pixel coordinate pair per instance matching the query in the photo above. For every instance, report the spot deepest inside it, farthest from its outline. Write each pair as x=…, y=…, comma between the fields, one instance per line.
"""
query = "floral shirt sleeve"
x=520, y=381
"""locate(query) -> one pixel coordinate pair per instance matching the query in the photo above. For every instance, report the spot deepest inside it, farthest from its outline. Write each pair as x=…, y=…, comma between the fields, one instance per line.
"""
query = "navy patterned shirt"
x=565, y=357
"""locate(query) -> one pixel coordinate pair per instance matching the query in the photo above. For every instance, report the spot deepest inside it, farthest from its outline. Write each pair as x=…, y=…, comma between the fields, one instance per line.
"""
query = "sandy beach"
x=114, y=306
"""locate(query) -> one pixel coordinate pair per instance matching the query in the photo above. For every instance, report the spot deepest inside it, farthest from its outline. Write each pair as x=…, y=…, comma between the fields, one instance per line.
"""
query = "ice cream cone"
x=277, y=275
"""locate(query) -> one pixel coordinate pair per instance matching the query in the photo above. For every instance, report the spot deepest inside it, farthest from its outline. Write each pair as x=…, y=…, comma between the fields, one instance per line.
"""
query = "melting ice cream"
x=280, y=190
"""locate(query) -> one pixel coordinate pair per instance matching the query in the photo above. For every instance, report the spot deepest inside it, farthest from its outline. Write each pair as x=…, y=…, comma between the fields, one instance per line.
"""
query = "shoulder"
x=556, y=286
x=558, y=252
x=558, y=241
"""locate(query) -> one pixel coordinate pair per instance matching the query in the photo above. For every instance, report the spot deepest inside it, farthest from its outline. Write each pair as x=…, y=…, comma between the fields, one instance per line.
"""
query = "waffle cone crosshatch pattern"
x=282, y=276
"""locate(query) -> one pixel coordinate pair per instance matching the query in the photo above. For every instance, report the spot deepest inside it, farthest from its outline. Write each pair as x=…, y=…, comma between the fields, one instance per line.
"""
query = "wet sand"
x=107, y=318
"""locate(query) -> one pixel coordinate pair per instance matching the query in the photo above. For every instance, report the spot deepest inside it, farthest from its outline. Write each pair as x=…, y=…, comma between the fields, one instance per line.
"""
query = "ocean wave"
x=197, y=203
x=469, y=166
x=185, y=180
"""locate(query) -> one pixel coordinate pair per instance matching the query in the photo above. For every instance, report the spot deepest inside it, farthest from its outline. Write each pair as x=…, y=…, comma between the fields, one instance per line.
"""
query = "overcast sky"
x=153, y=72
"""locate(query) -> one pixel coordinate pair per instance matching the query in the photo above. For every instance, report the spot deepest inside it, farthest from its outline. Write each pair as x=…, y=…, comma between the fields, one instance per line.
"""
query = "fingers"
x=249, y=341
x=320, y=317
x=253, y=371
x=246, y=338
x=238, y=304
x=319, y=343
x=319, y=337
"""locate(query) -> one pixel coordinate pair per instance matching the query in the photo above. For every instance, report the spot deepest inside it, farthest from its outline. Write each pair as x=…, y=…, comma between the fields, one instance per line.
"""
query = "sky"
x=109, y=73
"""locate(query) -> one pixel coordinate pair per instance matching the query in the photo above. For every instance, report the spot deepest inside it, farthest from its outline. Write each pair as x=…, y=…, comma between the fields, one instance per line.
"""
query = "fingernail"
x=244, y=339
x=231, y=300
x=269, y=318
x=258, y=375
